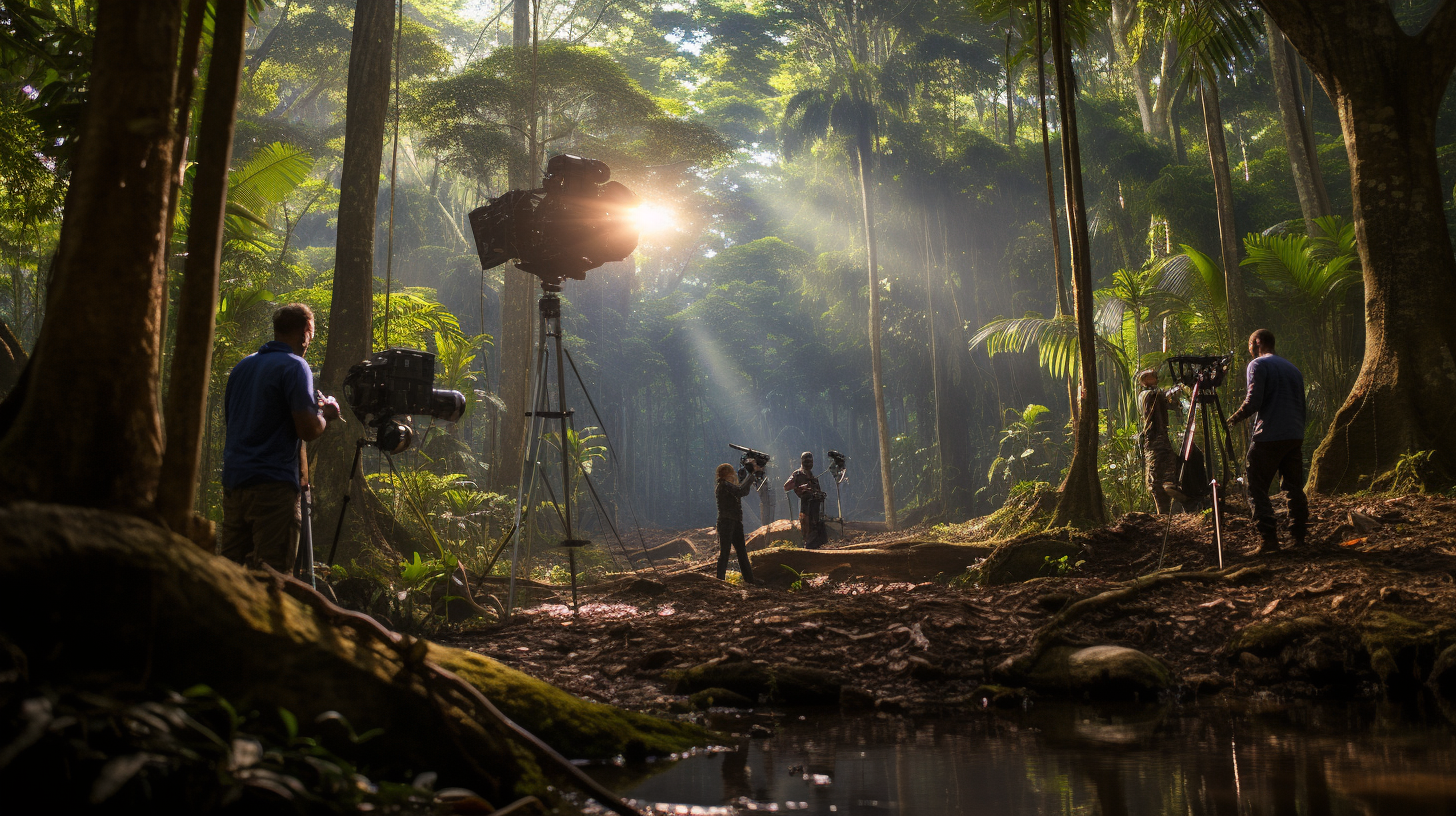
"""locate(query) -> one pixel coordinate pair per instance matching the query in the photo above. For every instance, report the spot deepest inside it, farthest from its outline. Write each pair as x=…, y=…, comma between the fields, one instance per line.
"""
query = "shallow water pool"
x=1299, y=759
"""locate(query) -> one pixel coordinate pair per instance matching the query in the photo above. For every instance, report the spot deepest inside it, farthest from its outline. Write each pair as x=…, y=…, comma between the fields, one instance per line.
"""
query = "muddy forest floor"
x=930, y=645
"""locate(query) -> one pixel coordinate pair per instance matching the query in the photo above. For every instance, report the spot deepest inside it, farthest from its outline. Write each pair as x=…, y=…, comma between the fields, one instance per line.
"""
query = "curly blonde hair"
x=726, y=473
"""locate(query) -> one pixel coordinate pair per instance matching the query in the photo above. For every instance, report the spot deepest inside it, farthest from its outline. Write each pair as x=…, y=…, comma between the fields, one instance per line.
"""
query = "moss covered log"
x=102, y=599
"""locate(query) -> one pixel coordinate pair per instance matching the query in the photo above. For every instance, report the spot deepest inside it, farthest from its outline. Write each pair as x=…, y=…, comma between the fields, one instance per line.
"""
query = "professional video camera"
x=1191, y=370
x=759, y=458
x=398, y=382
x=837, y=462
x=578, y=221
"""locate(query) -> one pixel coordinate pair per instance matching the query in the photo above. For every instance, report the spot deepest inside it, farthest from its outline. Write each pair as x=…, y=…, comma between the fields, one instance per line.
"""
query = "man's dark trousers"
x=730, y=534
x=1284, y=457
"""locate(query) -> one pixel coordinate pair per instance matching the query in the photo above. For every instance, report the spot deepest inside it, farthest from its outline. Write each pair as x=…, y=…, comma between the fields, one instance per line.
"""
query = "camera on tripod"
x=398, y=382
x=577, y=221
x=1210, y=371
x=837, y=462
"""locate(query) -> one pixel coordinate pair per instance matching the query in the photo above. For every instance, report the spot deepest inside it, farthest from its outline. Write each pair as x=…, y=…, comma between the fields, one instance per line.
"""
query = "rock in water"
x=1101, y=673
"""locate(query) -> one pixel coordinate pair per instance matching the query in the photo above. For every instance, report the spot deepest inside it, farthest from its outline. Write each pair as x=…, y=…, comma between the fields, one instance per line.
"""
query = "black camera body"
x=577, y=221
x=759, y=458
x=1192, y=370
x=398, y=382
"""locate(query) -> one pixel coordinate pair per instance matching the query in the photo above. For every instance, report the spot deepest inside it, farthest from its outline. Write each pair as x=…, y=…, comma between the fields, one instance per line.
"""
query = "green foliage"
x=1061, y=566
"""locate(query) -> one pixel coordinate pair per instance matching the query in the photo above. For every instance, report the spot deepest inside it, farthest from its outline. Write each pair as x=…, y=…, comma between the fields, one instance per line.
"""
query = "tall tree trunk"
x=1223, y=194
x=935, y=385
x=1303, y=162
x=1122, y=19
x=1046, y=160
x=12, y=358
x=351, y=311
x=186, y=404
x=109, y=284
x=1080, y=498
x=1387, y=87
x=864, y=154
x=1167, y=83
x=1010, y=96
x=518, y=314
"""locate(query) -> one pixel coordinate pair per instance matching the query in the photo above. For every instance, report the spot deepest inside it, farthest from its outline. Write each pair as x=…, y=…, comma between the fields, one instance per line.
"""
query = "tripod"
x=1205, y=374
x=549, y=307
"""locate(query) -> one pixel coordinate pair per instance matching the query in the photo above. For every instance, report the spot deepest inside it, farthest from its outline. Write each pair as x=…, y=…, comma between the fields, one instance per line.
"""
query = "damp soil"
x=924, y=646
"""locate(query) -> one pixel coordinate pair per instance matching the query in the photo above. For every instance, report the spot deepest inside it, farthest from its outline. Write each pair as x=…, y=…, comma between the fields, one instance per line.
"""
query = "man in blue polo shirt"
x=1276, y=401
x=270, y=407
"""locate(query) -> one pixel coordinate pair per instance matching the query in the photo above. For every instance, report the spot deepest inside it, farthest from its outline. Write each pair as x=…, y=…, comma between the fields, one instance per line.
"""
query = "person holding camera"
x=729, y=493
x=1276, y=401
x=811, y=502
x=270, y=407
x=1162, y=470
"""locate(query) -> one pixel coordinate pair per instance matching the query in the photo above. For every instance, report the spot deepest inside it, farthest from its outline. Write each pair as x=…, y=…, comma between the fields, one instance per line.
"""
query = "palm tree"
x=845, y=108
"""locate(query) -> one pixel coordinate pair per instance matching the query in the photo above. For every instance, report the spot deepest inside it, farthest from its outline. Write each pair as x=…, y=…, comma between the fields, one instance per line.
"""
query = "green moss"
x=1269, y=639
x=1402, y=650
x=577, y=728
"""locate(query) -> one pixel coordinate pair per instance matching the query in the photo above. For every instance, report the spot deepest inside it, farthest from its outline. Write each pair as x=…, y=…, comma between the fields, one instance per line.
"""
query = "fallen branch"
x=1051, y=632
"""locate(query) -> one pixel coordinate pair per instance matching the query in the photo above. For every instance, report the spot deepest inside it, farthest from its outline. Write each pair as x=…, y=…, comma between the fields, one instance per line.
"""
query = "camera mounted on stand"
x=578, y=220
x=398, y=382
x=1207, y=371
x=759, y=459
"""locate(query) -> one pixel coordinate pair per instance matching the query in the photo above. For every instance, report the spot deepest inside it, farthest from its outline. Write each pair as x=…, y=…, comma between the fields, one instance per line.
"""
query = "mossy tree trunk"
x=1387, y=86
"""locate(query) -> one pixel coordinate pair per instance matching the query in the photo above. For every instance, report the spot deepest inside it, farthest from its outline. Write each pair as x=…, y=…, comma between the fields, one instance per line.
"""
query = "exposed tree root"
x=1050, y=634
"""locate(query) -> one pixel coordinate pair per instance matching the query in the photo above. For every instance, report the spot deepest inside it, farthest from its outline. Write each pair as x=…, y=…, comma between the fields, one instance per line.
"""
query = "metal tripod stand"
x=1205, y=374
x=549, y=307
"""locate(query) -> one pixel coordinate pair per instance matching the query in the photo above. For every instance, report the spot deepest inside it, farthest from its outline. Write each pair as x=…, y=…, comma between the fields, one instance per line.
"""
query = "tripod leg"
x=538, y=381
x=1214, y=488
x=1167, y=528
x=571, y=558
x=344, y=505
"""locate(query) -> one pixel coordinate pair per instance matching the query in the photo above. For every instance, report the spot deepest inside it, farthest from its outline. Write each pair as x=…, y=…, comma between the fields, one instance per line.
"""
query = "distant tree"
x=1387, y=87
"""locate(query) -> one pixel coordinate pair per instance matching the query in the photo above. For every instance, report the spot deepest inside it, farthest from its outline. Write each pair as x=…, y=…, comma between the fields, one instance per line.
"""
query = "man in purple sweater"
x=1276, y=401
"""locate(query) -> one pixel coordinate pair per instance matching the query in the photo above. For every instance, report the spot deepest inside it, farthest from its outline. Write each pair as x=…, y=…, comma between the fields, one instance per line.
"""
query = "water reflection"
x=1299, y=760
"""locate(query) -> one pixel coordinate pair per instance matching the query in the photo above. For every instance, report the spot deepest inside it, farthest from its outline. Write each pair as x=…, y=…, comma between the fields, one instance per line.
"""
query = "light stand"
x=549, y=307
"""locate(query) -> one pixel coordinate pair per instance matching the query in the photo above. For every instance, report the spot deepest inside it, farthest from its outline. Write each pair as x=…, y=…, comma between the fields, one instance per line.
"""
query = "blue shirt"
x=263, y=392
x=1276, y=398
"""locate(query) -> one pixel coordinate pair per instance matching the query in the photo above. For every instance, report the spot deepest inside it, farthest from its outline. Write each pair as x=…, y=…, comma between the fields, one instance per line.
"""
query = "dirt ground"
x=931, y=644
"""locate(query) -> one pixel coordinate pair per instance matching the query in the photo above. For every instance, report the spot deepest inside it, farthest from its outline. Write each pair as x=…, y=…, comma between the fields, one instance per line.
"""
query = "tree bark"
x=1010, y=96
x=1387, y=87
x=351, y=311
x=864, y=154
x=12, y=358
x=186, y=403
x=1080, y=499
x=1046, y=158
x=1303, y=161
x=1223, y=194
x=108, y=290
x=1122, y=18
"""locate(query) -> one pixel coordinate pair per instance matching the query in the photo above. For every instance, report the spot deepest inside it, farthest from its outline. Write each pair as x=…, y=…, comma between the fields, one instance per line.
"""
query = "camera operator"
x=1162, y=472
x=1276, y=400
x=270, y=406
x=729, y=492
x=811, y=502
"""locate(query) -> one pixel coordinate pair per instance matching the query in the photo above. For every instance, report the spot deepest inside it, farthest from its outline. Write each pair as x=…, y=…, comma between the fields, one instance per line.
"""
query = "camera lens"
x=394, y=437
x=447, y=405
